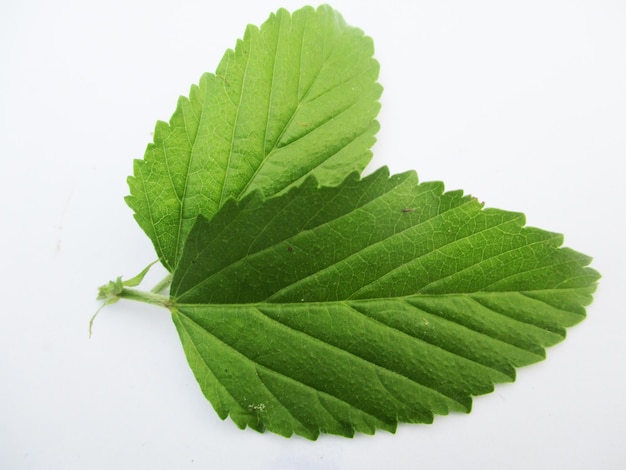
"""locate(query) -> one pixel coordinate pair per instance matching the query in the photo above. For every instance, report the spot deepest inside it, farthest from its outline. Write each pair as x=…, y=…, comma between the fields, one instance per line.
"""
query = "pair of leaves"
x=310, y=300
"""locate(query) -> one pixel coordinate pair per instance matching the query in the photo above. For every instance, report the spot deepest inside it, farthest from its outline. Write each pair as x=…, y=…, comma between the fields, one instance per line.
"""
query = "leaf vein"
x=236, y=120
x=270, y=370
x=375, y=365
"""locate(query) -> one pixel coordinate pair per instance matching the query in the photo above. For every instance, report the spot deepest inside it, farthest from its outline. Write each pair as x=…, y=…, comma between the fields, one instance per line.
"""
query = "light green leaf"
x=296, y=97
x=351, y=308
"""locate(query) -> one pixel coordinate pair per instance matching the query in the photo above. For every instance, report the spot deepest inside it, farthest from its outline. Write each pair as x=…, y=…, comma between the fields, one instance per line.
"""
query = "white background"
x=522, y=104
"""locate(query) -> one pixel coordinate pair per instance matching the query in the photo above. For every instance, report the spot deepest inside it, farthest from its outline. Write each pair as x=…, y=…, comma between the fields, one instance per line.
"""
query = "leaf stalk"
x=146, y=297
x=162, y=284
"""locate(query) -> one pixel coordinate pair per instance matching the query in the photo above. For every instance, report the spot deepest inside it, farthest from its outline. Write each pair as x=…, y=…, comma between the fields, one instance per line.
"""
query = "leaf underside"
x=351, y=308
x=297, y=97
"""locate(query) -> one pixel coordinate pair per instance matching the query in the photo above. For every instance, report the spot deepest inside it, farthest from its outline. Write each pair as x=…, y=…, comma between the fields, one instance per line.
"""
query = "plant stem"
x=162, y=284
x=146, y=297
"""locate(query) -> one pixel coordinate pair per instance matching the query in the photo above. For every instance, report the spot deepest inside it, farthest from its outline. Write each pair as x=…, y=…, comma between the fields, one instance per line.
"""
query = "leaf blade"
x=257, y=122
x=290, y=285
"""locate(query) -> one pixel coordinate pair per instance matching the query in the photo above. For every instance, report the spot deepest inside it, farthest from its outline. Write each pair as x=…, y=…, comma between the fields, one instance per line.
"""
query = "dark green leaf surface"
x=350, y=308
x=296, y=97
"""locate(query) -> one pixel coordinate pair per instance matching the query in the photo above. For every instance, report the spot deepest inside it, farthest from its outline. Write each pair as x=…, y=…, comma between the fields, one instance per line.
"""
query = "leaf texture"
x=297, y=97
x=380, y=300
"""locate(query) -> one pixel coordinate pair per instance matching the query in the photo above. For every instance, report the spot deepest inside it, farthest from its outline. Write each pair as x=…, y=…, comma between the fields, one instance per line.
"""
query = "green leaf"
x=351, y=308
x=309, y=300
x=297, y=97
